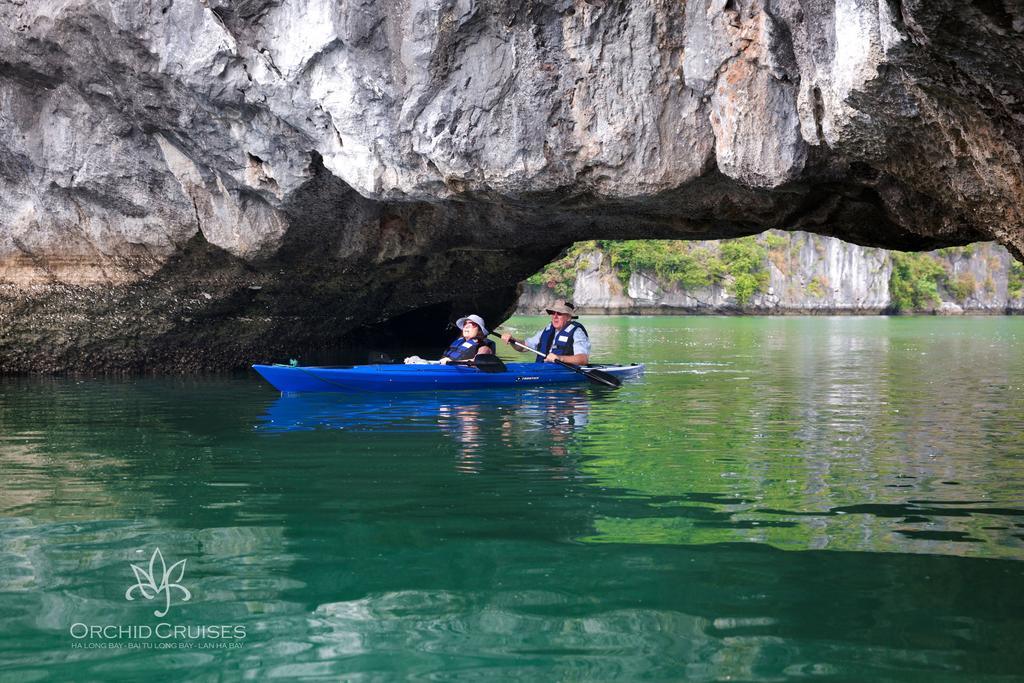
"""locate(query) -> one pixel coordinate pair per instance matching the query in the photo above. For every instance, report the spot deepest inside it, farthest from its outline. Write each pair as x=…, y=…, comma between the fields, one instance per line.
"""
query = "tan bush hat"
x=473, y=319
x=562, y=306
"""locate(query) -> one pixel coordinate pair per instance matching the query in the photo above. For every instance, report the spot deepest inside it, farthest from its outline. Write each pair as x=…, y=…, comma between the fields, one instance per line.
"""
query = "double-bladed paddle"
x=593, y=374
x=484, y=362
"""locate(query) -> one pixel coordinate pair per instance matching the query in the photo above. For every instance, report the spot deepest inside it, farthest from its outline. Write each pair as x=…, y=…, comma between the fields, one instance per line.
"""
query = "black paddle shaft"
x=593, y=374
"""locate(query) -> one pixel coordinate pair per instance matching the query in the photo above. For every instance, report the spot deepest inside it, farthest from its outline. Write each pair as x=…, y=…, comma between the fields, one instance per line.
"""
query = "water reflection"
x=817, y=430
x=478, y=422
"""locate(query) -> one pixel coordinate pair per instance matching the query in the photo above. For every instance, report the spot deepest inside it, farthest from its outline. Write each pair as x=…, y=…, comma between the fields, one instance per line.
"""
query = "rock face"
x=190, y=184
x=807, y=274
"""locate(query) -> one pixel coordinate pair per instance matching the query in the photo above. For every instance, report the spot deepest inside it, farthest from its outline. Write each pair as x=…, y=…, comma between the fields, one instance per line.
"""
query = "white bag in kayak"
x=416, y=360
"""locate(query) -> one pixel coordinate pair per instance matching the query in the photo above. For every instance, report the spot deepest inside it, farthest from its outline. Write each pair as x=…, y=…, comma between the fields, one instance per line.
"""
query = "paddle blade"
x=488, y=363
x=601, y=377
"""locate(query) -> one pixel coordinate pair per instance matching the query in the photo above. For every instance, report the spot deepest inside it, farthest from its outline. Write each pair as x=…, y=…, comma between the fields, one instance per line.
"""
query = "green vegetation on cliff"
x=818, y=286
x=916, y=279
x=738, y=264
x=914, y=284
x=745, y=262
x=1015, y=281
x=962, y=286
x=674, y=261
x=560, y=275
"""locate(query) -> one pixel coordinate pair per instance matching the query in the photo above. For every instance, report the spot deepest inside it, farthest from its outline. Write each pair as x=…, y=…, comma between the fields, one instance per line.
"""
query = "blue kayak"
x=298, y=379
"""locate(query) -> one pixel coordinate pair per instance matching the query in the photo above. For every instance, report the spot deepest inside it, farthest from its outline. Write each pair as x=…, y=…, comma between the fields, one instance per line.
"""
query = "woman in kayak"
x=473, y=341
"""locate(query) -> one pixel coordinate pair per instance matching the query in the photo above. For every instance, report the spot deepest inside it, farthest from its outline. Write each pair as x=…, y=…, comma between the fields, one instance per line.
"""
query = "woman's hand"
x=446, y=360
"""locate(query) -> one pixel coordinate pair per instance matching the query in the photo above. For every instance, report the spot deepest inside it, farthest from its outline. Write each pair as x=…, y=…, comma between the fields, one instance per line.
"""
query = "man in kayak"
x=473, y=341
x=564, y=339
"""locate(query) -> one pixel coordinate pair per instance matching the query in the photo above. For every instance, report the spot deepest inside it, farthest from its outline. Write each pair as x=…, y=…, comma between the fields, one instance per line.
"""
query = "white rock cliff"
x=807, y=274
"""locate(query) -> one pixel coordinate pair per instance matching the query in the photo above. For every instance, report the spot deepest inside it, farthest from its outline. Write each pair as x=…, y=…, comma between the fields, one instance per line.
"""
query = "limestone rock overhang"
x=199, y=185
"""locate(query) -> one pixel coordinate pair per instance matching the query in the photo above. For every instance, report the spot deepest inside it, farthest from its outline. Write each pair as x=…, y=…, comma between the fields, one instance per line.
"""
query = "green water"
x=778, y=499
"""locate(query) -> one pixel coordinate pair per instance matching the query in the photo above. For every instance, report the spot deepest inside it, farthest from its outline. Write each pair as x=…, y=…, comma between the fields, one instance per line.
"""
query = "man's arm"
x=575, y=359
x=531, y=342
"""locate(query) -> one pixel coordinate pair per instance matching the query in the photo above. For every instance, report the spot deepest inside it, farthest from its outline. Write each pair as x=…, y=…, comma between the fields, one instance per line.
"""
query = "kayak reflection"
x=542, y=417
x=537, y=421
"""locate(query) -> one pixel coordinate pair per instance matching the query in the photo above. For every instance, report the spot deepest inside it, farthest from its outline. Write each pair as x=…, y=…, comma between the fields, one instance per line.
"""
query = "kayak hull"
x=358, y=378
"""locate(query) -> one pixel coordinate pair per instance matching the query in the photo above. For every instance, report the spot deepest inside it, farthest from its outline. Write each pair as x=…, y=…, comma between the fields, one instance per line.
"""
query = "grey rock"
x=318, y=167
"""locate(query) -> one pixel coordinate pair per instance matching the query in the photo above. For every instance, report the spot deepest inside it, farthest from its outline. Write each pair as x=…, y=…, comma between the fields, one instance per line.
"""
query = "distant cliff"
x=778, y=273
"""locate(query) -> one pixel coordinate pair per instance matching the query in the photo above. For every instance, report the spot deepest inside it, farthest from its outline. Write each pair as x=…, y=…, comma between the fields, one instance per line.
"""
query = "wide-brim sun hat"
x=473, y=319
x=562, y=306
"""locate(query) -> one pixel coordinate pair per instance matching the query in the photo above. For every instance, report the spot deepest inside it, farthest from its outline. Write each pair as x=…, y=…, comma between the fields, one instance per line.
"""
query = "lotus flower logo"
x=169, y=578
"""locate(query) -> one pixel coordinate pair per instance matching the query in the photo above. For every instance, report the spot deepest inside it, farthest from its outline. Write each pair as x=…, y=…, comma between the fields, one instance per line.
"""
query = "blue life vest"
x=464, y=349
x=560, y=344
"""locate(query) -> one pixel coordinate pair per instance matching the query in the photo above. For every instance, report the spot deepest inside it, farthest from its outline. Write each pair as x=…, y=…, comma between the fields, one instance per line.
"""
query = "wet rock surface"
x=199, y=185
